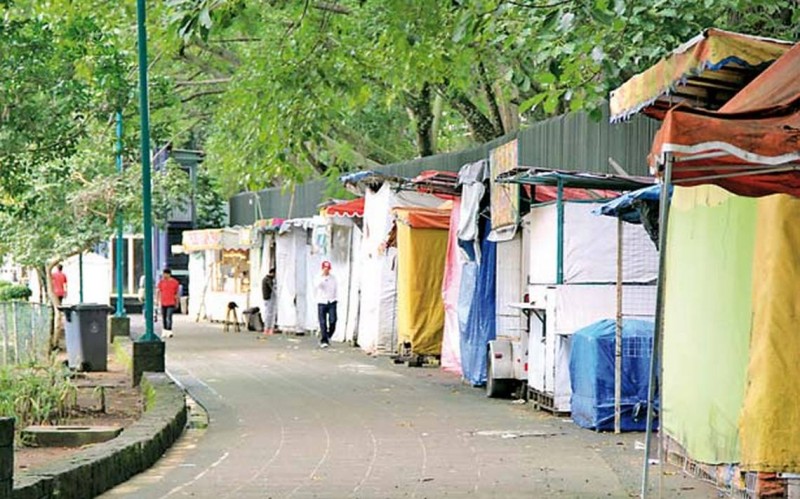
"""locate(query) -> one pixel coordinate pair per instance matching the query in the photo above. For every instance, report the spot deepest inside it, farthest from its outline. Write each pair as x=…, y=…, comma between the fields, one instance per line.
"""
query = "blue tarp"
x=591, y=369
x=624, y=207
x=480, y=327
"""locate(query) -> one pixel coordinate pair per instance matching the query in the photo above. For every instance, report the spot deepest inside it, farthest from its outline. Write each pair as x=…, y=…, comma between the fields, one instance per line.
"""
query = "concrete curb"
x=96, y=469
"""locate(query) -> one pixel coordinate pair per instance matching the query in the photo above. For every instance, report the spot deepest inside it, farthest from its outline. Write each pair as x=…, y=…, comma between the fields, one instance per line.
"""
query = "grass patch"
x=35, y=395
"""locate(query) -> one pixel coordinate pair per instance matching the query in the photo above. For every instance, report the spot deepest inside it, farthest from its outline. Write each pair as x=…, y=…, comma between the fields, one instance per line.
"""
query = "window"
x=231, y=271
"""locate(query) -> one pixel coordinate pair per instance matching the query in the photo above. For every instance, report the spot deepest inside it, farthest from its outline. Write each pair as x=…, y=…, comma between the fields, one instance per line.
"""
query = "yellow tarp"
x=702, y=56
x=770, y=421
x=421, y=254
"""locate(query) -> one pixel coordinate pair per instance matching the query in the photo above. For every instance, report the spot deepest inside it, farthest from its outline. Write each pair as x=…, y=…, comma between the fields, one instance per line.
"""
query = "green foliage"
x=278, y=92
x=4, y=284
x=14, y=292
x=313, y=87
x=209, y=203
x=36, y=394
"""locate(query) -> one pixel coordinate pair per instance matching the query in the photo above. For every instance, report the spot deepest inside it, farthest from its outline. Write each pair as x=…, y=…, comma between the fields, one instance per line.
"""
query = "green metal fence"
x=24, y=333
x=573, y=141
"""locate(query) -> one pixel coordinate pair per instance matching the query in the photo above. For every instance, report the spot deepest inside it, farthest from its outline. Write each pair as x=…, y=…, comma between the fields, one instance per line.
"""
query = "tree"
x=63, y=76
x=305, y=87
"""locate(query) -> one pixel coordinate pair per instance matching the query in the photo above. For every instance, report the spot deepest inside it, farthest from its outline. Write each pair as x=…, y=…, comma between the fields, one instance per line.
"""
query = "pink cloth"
x=451, y=342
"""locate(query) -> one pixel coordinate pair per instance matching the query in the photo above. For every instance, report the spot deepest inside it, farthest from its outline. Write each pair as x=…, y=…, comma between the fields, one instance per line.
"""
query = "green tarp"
x=706, y=341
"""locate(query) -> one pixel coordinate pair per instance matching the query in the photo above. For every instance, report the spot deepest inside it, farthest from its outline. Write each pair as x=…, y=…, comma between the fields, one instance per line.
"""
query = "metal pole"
x=618, y=338
x=560, y=232
x=120, y=312
x=655, y=359
x=147, y=216
x=80, y=278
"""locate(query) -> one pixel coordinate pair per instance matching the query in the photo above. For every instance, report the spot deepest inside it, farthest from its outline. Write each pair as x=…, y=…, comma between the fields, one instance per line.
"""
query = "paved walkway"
x=290, y=420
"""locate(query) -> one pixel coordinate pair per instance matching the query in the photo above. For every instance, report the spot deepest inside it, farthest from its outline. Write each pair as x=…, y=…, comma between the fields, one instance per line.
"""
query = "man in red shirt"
x=59, y=279
x=168, y=288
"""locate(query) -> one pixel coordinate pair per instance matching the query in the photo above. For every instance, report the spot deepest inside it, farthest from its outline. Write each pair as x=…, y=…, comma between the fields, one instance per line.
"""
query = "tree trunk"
x=420, y=107
x=480, y=126
x=491, y=98
x=45, y=271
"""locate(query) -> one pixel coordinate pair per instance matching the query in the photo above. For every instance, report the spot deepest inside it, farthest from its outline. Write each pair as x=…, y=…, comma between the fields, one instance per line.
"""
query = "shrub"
x=36, y=394
x=14, y=292
x=5, y=283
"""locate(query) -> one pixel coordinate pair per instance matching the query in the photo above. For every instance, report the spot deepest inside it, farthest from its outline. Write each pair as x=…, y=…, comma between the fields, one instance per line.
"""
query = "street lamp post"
x=147, y=225
x=120, y=312
x=148, y=350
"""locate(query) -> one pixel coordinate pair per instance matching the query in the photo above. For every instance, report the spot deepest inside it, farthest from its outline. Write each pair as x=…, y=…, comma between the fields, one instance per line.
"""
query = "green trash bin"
x=86, y=331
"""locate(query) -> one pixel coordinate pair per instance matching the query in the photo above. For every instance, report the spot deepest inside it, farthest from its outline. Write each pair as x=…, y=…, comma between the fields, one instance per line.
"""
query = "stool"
x=231, y=313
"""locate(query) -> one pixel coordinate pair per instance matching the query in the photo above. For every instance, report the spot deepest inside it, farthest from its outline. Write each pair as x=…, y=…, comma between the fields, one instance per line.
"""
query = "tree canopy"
x=276, y=92
x=312, y=88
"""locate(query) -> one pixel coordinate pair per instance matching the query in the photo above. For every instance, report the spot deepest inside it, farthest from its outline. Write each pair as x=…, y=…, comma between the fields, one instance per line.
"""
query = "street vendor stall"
x=729, y=275
x=342, y=233
x=377, y=325
x=219, y=270
x=422, y=238
x=573, y=268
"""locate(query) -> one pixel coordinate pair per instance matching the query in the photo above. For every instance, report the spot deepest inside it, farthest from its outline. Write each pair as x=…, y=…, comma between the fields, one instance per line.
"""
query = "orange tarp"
x=424, y=218
x=746, y=146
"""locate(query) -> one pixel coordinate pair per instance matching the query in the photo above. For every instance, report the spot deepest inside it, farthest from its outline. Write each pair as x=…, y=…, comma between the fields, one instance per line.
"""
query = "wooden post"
x=618, y=336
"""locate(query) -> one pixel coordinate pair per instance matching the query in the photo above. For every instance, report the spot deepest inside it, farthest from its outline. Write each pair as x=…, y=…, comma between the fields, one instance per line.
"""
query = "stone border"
x=100, y=467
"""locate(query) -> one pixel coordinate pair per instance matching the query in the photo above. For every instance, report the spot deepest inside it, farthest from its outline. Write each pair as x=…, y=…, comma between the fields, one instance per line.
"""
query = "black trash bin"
x=86, y=331
x=252, y=317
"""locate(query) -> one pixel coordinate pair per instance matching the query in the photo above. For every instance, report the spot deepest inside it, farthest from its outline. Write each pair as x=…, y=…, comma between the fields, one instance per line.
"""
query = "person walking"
x=325, y=289
x=59, y=280
x=268, y=295
x=168, y=288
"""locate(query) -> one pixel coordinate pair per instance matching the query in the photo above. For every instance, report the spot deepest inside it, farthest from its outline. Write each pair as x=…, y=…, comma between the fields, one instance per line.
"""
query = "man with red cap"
x=325, y=289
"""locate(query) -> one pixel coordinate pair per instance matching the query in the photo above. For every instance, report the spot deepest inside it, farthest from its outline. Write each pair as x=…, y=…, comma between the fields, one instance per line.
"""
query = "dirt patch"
x=104, y=399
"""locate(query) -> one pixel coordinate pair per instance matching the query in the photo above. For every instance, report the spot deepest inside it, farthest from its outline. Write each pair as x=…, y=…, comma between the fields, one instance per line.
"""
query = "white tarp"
x=511, y=283
x=198, y=283
x=340, y=253
x=291, y=279
x=568, y=308
x=261, y=261
x=377, y=325
x=590, y=247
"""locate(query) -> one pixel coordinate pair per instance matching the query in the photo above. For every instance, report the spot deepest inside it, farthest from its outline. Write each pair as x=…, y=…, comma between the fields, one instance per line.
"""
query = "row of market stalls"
x=726, y=323
x=511, y=277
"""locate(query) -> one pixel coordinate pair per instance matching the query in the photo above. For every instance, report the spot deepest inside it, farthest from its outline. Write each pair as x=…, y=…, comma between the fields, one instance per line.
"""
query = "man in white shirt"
x=325, y=289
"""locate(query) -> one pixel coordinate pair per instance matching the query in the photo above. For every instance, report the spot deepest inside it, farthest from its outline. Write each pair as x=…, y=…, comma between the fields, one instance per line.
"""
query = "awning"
x=705, y=72
x=581, y=180
x=228, y=238
x=751, y=147
x=347, y=209
x=269, y=224
x=440, y=183
x=357, y=182
x=424, y=218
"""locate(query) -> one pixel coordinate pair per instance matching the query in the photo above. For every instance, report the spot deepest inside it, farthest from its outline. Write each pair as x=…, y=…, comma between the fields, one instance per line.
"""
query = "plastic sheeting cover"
x=708, y=312
x=769, y=424
x=590, y=247
x=377, y=327
x=422, y=254
x=591, y=369
x=481, y=323
x=451, y=351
